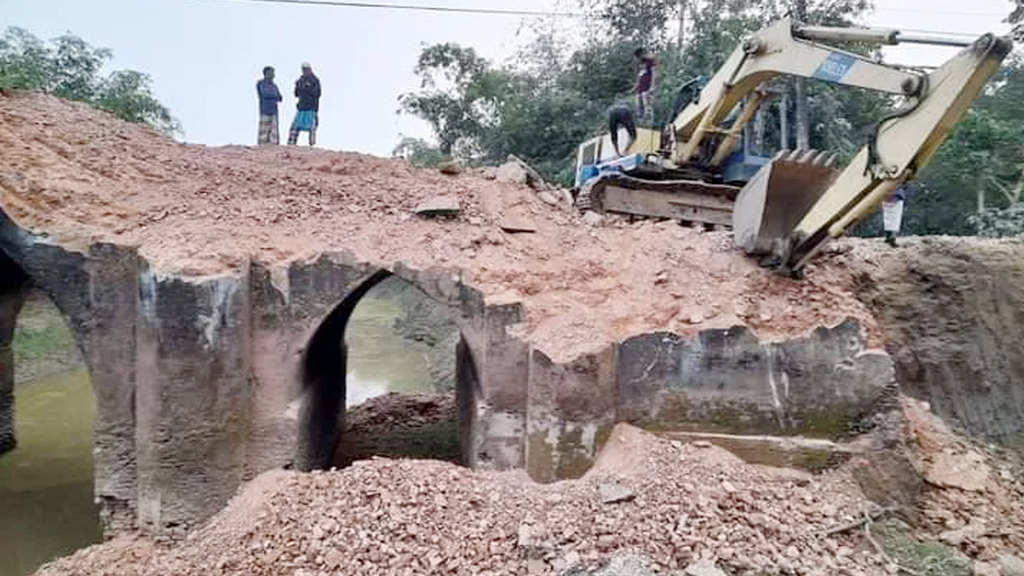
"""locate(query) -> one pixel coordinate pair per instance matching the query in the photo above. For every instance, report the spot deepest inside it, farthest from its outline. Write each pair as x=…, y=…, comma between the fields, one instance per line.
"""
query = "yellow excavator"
x=785, y=208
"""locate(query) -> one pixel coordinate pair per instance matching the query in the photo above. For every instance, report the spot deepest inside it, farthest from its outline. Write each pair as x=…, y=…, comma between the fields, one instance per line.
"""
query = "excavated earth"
x=682, y=507
x=80, y=176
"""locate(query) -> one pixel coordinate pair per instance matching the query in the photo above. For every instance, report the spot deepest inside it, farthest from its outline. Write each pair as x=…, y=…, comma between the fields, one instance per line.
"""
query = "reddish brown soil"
x=79, y=175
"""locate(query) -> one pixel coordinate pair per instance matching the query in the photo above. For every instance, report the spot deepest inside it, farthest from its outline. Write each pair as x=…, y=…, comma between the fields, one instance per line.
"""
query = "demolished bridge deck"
x=80, y=176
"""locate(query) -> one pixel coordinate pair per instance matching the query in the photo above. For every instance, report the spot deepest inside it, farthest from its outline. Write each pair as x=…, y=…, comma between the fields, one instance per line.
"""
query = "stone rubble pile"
x=686, y=509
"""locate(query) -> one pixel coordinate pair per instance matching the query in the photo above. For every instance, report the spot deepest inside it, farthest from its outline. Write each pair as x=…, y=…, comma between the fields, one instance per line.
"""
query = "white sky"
x=205, y=55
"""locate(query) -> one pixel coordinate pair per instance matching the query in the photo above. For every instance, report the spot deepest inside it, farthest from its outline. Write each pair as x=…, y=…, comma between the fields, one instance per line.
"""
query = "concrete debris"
x=980, y=568
x=1010, y=565
x=548, y=198
x=517, y=171
x=515, y=225
x=704, y=568
x=966, y=471
x=592, y=219
x=383, y=517
x=612, y=493
x=626, y=565
x=439, y=206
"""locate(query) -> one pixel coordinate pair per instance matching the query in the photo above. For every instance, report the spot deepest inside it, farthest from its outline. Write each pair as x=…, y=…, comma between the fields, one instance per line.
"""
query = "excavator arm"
x=772, y=52
x=903, y=143
x=795, y=202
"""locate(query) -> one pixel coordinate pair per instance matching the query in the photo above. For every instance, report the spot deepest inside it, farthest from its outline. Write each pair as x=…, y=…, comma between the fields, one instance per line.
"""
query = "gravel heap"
x=677, y=504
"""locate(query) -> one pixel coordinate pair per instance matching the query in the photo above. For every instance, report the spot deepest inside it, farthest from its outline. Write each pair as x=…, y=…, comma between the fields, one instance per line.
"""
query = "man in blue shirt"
x=269, y=96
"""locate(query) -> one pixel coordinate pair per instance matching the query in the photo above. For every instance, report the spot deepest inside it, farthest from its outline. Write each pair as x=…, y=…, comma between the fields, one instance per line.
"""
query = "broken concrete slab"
x=703, y=568
x=812, y=455
x=952, y=469
x=516, y=225
x=548, y=198
x=439, y=206
x=731, y=382
x=614, y=493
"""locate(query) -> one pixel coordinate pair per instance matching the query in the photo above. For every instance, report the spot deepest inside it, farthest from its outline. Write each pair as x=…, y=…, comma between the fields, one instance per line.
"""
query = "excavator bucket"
x=774, y=201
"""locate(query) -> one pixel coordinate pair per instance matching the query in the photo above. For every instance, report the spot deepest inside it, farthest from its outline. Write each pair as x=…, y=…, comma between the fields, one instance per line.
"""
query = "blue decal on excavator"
x=835, y=67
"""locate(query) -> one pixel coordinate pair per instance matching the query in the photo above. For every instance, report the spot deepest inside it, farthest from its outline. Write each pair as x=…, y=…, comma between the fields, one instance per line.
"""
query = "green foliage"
x=556, y=94
x=917, y=557
x=68, y=67
x=419, y=153
x=997, y=222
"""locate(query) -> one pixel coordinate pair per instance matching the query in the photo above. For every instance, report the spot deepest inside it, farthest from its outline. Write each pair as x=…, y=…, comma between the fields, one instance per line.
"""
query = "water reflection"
x=379, y=361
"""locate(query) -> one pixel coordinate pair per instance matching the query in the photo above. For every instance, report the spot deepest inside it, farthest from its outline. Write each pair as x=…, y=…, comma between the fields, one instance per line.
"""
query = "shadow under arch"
x=13, y=287
x=324, y=366
x=49, y=474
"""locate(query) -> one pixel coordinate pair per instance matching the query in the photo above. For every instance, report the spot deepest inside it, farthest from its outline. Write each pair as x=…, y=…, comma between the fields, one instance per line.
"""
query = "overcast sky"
x=205, y=55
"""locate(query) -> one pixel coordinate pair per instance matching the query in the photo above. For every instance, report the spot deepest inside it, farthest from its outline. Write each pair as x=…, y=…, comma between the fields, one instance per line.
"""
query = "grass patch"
x=31, y=343
x=927, y=558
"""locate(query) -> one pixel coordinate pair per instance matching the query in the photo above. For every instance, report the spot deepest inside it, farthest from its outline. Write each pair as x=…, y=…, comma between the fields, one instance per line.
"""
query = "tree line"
x=556, y=93
x=71, y=68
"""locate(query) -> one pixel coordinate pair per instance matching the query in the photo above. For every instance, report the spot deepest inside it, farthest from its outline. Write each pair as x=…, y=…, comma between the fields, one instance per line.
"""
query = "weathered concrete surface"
x=192, y=396
x=572, y=408
x=12, y=297
x=202, y=383
x=952, y=311
x=730, y=382
x=812, y=455
x=492, y=375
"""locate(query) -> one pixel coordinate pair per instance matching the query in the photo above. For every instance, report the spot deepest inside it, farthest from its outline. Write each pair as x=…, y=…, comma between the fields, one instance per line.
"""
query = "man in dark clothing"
x=621, y=116
x=645, y=87
x=269, y=96
x=307, y=90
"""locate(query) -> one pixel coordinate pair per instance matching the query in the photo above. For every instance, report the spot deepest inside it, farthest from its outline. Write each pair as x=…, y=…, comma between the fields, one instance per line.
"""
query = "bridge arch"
x=325, y=372
x=48, y=476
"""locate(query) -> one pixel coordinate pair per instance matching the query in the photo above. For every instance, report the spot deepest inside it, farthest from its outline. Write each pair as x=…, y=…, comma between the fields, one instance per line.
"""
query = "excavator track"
x=686, y=200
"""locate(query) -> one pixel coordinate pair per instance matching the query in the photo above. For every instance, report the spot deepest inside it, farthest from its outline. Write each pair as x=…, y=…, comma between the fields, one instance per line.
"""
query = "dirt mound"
x=410, y=517
x=401, y=426
x=80, y=175
x=976, y=503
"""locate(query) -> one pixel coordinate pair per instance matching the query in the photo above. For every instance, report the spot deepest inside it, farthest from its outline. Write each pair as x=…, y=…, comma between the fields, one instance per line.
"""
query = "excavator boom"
x=790, y=205
x=903, y=144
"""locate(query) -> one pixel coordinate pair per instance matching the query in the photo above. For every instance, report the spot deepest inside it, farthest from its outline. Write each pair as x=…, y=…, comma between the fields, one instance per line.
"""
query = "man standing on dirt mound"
x=307, y=90
x=269, y=96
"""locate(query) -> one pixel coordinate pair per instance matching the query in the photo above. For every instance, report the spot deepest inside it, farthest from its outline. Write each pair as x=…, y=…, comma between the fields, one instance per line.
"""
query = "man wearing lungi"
x=307, y=90
x=269, y=96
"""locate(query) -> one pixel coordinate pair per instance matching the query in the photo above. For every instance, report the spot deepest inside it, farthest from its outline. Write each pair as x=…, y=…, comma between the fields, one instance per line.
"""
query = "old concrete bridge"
x=209, y=291
x=203, y=383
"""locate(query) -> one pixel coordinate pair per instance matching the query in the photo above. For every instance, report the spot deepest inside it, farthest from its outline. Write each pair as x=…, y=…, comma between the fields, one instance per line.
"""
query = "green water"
x=46, y=498
x=378, y=360
x=46, y=483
